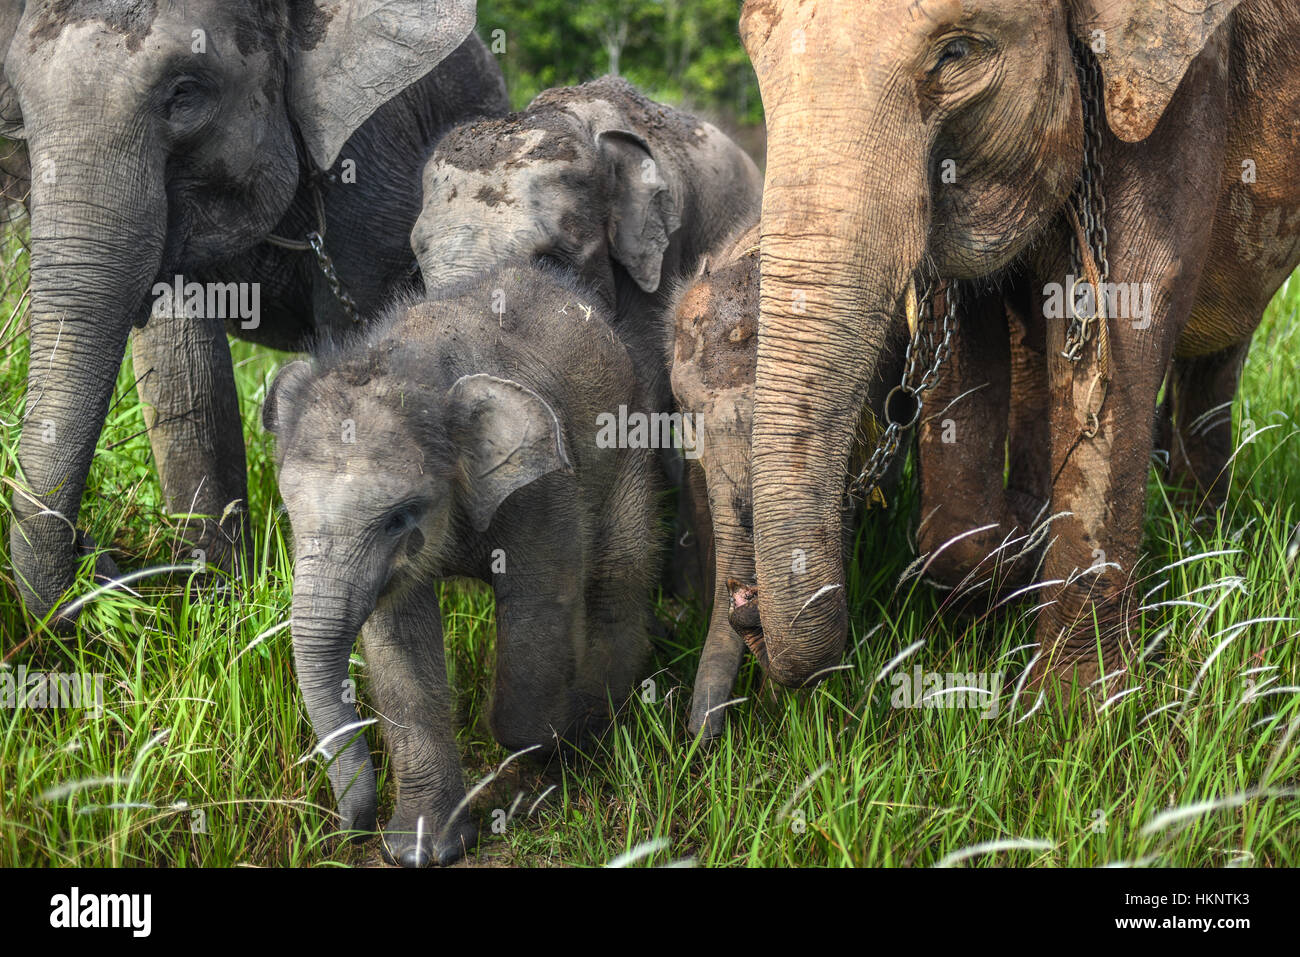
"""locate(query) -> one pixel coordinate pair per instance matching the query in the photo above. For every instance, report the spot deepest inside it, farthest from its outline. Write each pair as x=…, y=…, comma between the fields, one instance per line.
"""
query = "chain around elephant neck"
x=927, y=350
x=315, y=244
x=1087, y=212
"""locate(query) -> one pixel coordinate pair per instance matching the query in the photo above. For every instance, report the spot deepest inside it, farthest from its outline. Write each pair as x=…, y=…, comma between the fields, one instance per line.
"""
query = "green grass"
x=202, y=713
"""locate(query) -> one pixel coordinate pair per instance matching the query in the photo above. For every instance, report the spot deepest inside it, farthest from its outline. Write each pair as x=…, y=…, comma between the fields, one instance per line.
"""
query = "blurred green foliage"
x=684, y=52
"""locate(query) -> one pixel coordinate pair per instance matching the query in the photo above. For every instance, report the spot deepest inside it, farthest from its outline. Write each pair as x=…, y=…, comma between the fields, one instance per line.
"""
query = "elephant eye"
x=187, y=100
x=398, y=523
x=402, y=520
x=549, y=260
x=183, y=91
x=954, y=49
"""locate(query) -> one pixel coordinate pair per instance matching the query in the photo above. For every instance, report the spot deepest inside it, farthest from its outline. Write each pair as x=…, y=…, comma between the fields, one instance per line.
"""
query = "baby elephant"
x=460, y=438
x=715, y=350
x=624, y=191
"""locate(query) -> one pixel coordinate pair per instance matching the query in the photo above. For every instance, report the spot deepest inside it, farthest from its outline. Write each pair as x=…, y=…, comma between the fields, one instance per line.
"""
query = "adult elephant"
x=936, y=135
x=175, y=139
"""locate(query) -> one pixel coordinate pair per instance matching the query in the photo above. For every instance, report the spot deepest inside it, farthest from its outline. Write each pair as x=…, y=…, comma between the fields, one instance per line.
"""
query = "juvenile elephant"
x=953, y=141
x=176, y=139
x=468, y=437
x=625, y=192
x=715, y=345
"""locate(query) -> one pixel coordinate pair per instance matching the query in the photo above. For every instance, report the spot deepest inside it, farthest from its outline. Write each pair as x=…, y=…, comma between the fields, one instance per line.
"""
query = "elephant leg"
x=623, y=568
x=1200, y=397
x=1029, y=471
x=693, y=514
x=720, y=661
x=962, y=448
x=1100, y=486
x=186, y=383
x=407, y=682
x=726, y=465
x=687, y=573
x=538, y=578
x=1102, y=430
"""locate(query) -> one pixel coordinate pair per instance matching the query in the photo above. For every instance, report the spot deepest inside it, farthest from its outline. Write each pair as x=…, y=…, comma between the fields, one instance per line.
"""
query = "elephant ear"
x=507, y=437
x=1144, y=48
x=280, y=396
x=11, y=118
x=353, y=56
x=644, y=210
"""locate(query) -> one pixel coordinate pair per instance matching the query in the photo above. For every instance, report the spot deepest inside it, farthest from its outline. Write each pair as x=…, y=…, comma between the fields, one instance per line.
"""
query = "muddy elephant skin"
x=952, y=149
x=714, y=350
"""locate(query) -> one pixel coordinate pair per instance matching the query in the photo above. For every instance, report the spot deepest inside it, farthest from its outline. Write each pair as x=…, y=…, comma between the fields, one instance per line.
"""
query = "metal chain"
x=326, y=264
x=926, y=354
x=1089, y=202
x=315, y=244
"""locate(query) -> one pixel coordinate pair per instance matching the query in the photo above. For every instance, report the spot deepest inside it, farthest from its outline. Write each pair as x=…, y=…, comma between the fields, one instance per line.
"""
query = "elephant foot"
x=978, y=568
x=418, y=845
x=105, y=568
x=64, y=619
x=592, y=722
x=1082, y=659
x=210, y=543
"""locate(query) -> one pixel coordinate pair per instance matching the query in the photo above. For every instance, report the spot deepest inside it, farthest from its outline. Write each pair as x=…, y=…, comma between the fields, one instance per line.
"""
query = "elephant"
x=964, y=143
x=623, y=191
x=714, y=352
x=202, y=146
x=466, y=435
x=15, y=176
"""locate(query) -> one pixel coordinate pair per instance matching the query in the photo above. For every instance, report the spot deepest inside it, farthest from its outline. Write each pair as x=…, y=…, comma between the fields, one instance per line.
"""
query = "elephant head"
x=381, y=476
x=161, y=137
x=595, y=178
x=903, y=133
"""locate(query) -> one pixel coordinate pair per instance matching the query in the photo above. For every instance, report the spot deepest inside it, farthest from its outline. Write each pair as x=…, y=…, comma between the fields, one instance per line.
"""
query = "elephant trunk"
x=97, y=221
x=329, y=609
x=845, y=216
x=725, y=443
x=451, y=252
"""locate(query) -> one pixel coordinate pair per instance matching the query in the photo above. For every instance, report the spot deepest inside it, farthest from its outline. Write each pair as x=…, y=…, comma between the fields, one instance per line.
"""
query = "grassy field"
x=197, y=756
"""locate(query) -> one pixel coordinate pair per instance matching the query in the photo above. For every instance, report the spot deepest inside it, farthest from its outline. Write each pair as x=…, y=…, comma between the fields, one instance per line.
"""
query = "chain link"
x=1089, y=202
x=326, y=264
x=315, y=243
x=926, y=354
